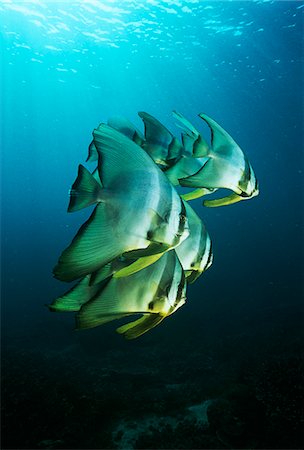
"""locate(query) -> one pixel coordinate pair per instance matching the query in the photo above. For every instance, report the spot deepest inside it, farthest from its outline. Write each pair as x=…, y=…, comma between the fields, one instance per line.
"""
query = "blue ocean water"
x=226, y=370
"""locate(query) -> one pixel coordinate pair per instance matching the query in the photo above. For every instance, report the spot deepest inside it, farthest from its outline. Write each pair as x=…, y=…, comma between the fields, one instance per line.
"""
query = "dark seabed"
x=225, y=371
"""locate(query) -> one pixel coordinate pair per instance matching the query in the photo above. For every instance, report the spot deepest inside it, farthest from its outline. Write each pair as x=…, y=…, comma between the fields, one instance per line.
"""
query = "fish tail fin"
x=127, y=128
x=85, y=190
x=133, y=330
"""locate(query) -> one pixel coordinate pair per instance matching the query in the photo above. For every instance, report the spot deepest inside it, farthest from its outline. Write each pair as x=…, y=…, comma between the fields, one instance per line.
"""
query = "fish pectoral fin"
x=85, y=190
x=155, y=131
x=122, y=125
x=229, y=200
x=133, y=330
x=138, y=265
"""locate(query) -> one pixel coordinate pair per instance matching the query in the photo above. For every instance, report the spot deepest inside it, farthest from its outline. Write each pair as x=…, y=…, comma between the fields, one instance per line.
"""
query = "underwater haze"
x=226, y=370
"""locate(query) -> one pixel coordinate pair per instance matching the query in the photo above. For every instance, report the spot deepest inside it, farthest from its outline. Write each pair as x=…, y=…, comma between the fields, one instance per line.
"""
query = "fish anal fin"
x=84, y=323
x=140, y=326
x=197, y=193
x=225, y=201
x=138, y=265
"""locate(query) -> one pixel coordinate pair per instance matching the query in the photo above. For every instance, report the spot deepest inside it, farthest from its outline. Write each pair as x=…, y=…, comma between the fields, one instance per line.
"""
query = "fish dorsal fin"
x=221, y=141
x=85, y=190
x=125, y=127
x=93, y=153
x=184, y=123
x=155, y=131
x=193, y=141
x=117, y=151
x=200, y=147
x=138, y=138
x=188, y=141
x=158, y=138
x=175, y=150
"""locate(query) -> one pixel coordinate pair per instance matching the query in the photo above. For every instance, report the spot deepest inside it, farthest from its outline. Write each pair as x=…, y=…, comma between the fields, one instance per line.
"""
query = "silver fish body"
x=155, y=292
x=137, y=208
x=195, y=253
x=226, y=167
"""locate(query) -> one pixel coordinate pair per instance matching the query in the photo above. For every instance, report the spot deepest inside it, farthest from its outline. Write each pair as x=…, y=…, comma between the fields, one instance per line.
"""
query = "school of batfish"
x=143, y=242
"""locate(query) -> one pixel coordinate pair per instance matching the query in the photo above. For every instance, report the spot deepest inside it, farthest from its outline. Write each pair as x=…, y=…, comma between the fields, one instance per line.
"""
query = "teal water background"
x=65, y=67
